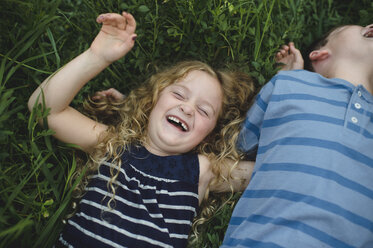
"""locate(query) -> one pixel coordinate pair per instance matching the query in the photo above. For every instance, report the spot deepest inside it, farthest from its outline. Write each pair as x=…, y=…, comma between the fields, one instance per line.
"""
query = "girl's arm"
x=115, y=39
x=239, y=179
x=240, y=176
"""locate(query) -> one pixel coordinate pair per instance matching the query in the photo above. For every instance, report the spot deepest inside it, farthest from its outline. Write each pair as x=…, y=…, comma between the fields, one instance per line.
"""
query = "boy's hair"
x=316, y=45
x=131, y=119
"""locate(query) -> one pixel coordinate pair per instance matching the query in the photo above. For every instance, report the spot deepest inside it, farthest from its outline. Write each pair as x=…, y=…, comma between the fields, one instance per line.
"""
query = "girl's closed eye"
x=203, y=111
x=179, y=95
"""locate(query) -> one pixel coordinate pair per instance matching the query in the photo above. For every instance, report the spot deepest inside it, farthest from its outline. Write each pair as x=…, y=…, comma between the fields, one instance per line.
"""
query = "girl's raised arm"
x=115, y=39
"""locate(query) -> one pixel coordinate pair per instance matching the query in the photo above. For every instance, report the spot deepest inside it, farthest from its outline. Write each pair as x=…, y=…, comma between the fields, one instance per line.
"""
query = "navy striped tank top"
x=156, y=200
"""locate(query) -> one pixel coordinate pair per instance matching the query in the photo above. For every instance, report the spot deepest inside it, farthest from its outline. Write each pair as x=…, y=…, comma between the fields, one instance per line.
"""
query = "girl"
x=176, y=137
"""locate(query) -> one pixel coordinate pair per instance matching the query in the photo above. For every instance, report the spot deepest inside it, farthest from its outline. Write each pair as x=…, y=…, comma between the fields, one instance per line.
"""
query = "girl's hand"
x=110, y=93
x=116, y=37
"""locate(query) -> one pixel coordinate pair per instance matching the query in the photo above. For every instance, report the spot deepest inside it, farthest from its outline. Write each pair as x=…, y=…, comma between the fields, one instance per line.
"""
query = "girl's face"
x=186, y=112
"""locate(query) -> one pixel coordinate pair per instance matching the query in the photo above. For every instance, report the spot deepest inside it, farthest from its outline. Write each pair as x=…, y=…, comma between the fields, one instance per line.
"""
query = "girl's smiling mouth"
x=180, y=124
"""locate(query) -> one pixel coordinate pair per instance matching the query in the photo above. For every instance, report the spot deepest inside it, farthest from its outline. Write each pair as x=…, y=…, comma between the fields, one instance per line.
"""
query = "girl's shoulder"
x=205, y=169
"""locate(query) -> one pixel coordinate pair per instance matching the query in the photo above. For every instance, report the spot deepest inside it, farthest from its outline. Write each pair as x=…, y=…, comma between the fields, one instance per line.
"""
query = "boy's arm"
x=115, y=39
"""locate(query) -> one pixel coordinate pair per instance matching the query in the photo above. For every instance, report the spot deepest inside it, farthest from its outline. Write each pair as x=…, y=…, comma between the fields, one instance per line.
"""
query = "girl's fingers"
x=97, y=96
x=112, y=19
x=103, y=18
x=110, y=93
x=100, y=18
x=125, y=21
x=131, y=22
x=121, y=22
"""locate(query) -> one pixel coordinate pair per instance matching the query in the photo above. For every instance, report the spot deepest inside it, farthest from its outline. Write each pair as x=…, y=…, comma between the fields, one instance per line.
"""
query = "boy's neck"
x=355, y=74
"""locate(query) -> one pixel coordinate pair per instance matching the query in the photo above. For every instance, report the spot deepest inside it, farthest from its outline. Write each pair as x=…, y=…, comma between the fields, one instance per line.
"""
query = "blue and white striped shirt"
x=312, y=185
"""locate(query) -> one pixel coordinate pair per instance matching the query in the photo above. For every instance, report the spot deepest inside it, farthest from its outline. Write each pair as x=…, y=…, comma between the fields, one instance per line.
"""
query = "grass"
x=39, y=36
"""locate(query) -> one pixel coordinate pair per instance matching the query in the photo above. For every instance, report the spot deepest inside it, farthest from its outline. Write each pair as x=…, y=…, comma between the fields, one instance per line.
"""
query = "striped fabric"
x=155, y=202
x=312, y=184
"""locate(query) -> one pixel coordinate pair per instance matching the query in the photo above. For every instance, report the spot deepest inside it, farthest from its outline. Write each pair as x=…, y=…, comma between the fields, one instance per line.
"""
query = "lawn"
x=40, y=36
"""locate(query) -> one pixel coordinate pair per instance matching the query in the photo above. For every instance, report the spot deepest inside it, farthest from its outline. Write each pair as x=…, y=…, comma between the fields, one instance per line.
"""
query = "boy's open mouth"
x=178, y=123
x=369, y=33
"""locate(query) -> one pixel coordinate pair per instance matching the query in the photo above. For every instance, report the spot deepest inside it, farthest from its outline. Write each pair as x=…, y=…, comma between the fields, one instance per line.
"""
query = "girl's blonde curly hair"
x=128, y=121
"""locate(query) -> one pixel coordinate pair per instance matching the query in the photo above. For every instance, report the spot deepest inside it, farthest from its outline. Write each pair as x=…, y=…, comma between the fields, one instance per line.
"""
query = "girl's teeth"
x=184, y=126
x=178, y=122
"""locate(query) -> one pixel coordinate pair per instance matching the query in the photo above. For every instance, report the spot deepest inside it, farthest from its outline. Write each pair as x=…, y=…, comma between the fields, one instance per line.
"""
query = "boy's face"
x=352, y=42
x=185, y=113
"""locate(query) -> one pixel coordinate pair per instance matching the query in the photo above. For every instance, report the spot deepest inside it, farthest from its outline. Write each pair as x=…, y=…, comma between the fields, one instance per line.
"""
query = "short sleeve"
x=250, y=132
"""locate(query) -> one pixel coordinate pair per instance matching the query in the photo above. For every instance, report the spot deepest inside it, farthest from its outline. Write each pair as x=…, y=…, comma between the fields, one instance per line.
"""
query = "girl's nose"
x=186, y=109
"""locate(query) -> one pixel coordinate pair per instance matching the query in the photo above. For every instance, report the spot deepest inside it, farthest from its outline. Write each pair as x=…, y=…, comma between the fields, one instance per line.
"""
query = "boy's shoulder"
x=296, y=73
x=302, y=75
x=308, y=78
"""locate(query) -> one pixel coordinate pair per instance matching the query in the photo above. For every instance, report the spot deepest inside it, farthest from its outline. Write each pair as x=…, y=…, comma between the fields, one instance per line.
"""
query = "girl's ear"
x=319, y=55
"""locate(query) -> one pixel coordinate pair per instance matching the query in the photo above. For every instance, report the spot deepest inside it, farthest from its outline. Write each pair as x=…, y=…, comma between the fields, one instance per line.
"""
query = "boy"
x=312, y=133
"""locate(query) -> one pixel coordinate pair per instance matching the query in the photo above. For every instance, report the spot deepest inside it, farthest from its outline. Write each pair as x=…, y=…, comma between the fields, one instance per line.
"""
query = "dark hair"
x=315, y=45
